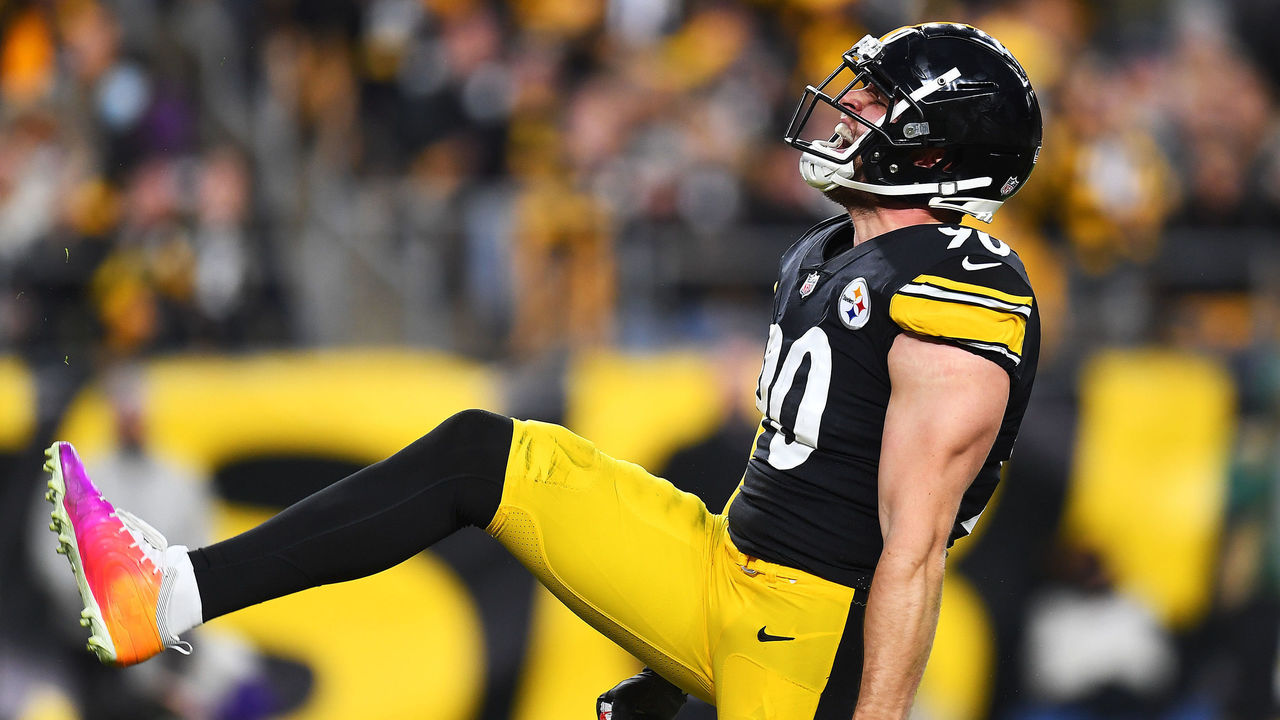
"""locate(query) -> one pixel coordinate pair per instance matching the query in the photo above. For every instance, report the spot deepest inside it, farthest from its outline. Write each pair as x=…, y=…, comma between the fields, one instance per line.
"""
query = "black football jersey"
x=809, y=495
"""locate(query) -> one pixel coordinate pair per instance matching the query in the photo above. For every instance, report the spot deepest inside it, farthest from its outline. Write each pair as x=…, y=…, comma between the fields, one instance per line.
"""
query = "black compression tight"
x=370, y=521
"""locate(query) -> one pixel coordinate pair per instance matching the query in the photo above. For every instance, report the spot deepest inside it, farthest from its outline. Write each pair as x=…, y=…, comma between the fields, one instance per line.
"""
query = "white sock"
x=180, y=608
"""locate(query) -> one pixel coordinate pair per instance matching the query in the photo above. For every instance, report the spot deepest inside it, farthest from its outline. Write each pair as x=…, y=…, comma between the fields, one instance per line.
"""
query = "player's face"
x=866, y=102
x=871, y=105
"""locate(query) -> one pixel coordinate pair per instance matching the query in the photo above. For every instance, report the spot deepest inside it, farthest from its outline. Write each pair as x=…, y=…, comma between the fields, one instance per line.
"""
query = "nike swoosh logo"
x=763, y=636
x=968, y=264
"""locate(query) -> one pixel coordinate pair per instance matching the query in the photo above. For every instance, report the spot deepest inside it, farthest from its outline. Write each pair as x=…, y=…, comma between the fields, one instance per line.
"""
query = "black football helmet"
x=947, y=86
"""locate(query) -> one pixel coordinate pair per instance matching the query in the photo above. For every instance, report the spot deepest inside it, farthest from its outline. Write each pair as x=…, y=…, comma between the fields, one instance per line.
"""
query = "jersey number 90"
x=775, y=385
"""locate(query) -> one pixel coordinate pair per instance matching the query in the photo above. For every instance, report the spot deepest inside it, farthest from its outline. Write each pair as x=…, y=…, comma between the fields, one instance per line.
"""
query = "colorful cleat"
x=118, y=562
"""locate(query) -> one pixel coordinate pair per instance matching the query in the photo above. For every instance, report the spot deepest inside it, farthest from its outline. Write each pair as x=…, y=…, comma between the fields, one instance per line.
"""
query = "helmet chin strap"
x=826, y=175
x=944, y=188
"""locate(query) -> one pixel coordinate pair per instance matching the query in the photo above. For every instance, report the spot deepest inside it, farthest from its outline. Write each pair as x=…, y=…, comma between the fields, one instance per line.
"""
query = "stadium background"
x=248, y=246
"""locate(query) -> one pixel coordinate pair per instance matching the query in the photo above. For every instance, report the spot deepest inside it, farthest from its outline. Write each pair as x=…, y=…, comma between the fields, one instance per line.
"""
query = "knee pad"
x=468, y=450
x=477, y=430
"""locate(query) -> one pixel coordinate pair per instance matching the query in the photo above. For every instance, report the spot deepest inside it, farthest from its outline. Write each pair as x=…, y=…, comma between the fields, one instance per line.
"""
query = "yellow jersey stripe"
x=938, y=293
x=940, y=318
x=973, y=289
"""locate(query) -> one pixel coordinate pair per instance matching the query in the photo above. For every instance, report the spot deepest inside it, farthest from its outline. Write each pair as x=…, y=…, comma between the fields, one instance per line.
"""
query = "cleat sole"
x=91, y=617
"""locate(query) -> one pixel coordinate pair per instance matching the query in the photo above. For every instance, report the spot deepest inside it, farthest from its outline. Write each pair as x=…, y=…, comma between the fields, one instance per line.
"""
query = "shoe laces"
x=145, y=538
x=152, y=544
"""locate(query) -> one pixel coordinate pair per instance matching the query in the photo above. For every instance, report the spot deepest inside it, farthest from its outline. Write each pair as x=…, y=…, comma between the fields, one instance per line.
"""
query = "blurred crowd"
x=507, y=178
x=516, y=180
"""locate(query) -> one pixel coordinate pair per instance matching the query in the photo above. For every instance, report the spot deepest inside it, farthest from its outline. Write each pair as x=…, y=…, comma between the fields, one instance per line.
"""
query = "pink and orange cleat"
x=118, y=562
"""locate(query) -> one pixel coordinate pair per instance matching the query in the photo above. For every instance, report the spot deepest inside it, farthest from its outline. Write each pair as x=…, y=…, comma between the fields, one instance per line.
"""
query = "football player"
x=936, y=121
x=898, y=364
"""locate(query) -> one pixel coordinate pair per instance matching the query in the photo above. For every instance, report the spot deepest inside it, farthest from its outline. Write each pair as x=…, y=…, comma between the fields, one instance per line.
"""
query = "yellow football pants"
x=652, y=569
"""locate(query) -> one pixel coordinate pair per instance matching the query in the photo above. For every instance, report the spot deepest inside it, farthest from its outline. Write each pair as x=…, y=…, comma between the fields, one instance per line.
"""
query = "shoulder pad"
x=977, y=301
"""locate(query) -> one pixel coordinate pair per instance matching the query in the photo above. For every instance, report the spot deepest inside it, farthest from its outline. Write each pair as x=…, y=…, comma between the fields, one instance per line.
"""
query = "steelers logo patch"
x=854, y=305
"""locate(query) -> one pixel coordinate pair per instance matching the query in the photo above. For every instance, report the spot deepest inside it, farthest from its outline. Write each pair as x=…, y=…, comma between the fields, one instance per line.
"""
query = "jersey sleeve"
x=982, y=307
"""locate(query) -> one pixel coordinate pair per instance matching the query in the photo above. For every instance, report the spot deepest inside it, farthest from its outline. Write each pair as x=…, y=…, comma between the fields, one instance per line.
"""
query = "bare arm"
x=944, y=412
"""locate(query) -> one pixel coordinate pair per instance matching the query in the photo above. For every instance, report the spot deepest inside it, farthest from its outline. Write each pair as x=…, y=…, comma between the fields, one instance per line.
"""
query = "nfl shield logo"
x=809, y=284
x=1010, y=185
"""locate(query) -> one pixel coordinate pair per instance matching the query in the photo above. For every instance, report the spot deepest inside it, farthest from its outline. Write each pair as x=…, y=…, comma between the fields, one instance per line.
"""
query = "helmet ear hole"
x=930, y=158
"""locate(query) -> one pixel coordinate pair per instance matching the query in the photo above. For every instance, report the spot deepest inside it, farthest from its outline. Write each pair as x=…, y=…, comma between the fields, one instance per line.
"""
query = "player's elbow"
x=907, y=560
x=915, y=541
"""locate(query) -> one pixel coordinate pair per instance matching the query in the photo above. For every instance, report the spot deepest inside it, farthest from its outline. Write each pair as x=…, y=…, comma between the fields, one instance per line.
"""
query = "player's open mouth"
x=841, y=139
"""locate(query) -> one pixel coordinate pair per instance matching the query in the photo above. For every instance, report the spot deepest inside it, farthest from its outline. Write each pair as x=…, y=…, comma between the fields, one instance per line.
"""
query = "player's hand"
x=643, y=696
